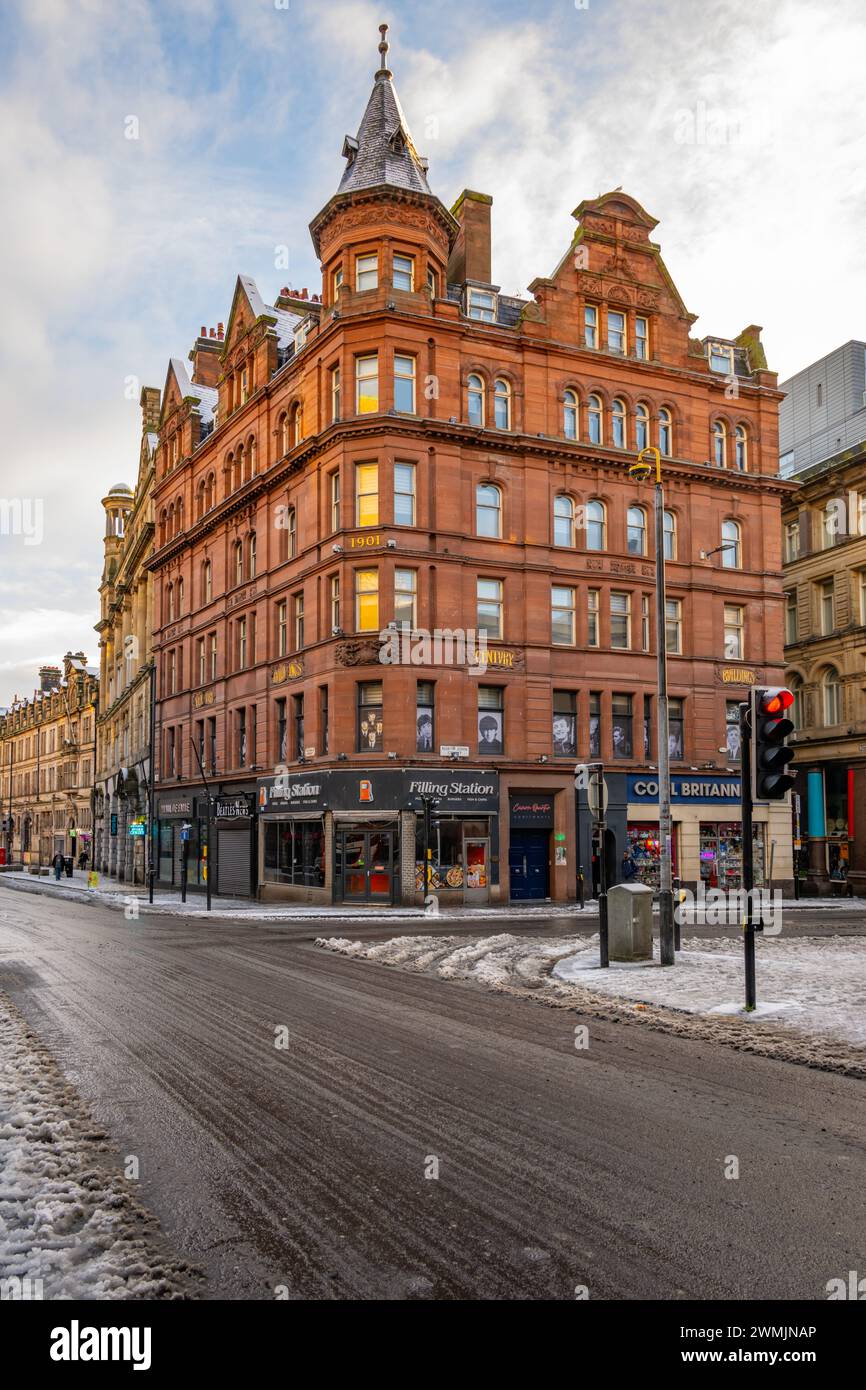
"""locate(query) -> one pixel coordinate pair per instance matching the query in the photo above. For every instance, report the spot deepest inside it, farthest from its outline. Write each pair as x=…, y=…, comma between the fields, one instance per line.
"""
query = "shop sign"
x=737, y=675
x=495, y=659
x=138, y=828
x=685, y=789
x=287, y=671
x=114, y=823
x=388, y=789
x=294, y=793
x=175, y=808
x=455, y=791
x=232, y=807
x=532, y=810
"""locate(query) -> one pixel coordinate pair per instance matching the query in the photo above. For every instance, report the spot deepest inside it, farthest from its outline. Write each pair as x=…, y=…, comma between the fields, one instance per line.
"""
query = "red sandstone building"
x=410, y=451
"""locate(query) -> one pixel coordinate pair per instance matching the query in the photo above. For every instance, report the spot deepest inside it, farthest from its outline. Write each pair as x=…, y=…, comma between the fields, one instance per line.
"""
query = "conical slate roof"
x=382, y=151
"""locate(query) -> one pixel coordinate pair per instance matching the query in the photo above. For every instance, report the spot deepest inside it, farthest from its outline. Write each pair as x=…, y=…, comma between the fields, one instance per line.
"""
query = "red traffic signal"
x=774, y=701
x=771, y=779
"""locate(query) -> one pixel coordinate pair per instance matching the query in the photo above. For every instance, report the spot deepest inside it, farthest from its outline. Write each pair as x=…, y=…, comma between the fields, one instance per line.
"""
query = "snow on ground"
x=68, y=1216
x=814, y=988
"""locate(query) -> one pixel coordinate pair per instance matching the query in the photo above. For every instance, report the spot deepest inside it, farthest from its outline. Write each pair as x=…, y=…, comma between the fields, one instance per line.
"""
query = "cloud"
x=738, y=125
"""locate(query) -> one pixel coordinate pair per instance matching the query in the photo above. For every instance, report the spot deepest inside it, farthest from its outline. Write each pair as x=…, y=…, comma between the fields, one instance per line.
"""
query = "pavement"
x=407, y=1137
x=129, y=898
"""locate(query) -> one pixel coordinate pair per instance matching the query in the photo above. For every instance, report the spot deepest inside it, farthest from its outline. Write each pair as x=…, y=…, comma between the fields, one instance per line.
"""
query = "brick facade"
x=251, y=444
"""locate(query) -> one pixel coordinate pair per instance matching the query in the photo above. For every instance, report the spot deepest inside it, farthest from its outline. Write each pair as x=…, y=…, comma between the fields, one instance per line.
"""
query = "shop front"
x=365, y=836
x=530, y=821
x=707, y=843
x=180, y=842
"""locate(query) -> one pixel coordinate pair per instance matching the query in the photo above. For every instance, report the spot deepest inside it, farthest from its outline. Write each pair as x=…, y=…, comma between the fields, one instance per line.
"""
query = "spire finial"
x=383, y=48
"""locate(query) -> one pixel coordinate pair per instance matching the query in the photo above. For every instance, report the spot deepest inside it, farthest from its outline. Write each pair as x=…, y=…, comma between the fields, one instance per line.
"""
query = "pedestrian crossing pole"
x=748, y=851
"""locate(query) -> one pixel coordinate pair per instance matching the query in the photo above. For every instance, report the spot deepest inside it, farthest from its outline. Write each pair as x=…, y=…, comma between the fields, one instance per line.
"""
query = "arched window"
x=636, y=535
x=180, y=598
x=206, y=582
x=501, y=404
x=488, y=510
x=284, y=434
x=297, y=424
x=252, y=449
x=596, y=526
x=178, y=513
x=742, y=448
x=211, y=490
x=795, y=685
x=200, y=500
x=617, y=421
x=169, y=530
x=170, y=603
x=732, y=555
x=230, y=472
x=666, y=431
x=163, y=526
x=594, y=414
x=563, y=520
x=248, y=461
x=832, y=693
x=251, y=556
x=720, y=444
x=239, y=562
x=670, y=535
x=240, y=465
x=569, y=415
x=641, y=426
x=475, y=394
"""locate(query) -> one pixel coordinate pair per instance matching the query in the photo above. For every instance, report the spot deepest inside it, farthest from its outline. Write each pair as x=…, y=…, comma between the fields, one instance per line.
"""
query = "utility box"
x=630, y=922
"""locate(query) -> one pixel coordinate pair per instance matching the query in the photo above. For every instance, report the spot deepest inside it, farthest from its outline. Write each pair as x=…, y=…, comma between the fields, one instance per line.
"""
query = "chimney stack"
x=49, y=678
x=205, y=359
x=470, y=258
x=149, y=401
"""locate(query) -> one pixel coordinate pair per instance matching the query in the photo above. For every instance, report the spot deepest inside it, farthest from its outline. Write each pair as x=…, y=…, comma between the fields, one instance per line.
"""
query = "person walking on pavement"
x=629, y=867
x=57, y=864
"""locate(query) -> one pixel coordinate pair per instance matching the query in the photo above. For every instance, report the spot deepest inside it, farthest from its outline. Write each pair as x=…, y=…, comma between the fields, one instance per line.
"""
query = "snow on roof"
x=286, y=324
x=207, y=396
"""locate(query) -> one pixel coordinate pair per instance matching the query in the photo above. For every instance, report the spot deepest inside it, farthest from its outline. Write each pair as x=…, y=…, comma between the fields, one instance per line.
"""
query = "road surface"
x=304, y=1167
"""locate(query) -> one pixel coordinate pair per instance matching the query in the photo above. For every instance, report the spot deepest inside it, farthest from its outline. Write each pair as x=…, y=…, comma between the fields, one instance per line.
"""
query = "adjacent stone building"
x=825, y=655
x=46, y=766
x=125, y=632
x=399, y=556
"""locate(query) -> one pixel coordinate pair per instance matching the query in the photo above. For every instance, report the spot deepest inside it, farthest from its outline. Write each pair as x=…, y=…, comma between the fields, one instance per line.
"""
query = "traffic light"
x=770, y=753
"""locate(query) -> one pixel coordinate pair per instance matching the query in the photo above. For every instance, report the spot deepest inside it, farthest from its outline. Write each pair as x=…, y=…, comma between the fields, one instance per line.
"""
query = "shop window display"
x=448, y=860
x=295, y=853
x=644, y=846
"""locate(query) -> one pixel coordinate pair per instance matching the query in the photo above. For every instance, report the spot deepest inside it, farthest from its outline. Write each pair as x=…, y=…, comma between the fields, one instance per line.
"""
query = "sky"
x=155, y=149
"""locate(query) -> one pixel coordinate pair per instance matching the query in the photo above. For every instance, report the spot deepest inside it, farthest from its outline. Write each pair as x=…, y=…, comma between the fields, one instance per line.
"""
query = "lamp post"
x=641, y=471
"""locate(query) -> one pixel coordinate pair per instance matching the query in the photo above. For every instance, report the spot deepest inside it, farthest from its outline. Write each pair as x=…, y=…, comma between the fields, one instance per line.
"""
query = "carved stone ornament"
x=358, y=653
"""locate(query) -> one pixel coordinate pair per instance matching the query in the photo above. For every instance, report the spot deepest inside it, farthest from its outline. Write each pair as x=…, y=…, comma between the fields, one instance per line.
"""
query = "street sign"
x=590, y=778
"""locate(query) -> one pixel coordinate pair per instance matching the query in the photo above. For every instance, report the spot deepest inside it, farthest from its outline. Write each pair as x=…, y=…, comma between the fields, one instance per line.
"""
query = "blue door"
x=529, y=864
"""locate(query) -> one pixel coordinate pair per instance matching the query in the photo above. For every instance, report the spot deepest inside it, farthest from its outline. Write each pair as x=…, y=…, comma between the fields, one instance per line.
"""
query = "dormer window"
x=721, y=358
x=366, y=273
x=481, y=304
x=302, y=332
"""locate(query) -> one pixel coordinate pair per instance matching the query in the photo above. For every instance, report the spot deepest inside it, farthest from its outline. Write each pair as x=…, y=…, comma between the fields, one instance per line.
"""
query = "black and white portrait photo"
x=564, y=741
x=490, y=732
x=424, y=731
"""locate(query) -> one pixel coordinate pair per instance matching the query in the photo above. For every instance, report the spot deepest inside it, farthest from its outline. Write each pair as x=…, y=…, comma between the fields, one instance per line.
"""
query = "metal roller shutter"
x=233, y=861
